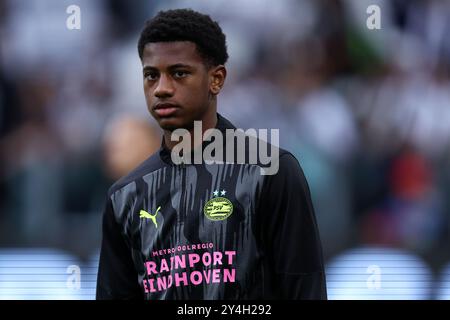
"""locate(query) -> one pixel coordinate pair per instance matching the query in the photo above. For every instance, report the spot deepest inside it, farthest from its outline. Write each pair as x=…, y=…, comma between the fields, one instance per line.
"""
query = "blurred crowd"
x=366, y=112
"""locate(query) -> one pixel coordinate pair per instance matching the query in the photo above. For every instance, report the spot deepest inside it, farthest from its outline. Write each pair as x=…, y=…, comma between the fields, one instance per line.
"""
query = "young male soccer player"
x=210, y=230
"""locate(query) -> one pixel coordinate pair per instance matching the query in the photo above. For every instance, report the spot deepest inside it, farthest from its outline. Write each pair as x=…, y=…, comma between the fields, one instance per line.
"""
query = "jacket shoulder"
x=151, y=164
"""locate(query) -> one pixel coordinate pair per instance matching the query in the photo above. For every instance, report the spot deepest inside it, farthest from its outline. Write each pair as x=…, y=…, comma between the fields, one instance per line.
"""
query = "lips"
x=165, y=109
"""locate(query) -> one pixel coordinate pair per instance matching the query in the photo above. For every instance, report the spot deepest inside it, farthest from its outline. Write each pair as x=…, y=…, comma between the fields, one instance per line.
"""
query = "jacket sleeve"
x=117, y=277
x=290, y=234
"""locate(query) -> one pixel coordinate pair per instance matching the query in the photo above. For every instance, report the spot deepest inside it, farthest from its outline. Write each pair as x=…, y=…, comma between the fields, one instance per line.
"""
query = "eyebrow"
x=171, y=67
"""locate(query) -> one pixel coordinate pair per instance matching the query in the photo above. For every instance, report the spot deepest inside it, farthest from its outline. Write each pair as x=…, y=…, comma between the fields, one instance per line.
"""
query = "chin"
x=171, y=124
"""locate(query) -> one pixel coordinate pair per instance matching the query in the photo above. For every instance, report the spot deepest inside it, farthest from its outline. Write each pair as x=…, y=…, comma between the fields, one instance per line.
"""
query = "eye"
x=180, y=74
x=151, y=76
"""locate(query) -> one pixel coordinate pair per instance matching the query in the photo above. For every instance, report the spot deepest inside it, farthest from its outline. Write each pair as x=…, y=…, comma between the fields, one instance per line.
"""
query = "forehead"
x=161, y=54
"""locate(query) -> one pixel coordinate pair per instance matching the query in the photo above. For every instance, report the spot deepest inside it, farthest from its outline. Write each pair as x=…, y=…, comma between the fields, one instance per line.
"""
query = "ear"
x=217, y=77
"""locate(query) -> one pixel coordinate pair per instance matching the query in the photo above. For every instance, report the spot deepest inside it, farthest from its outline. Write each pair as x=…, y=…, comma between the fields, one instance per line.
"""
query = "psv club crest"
x=218, y=208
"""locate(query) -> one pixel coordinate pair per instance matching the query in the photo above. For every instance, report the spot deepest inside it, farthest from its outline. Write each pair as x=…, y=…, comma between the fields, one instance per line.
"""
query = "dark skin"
x=177, y=78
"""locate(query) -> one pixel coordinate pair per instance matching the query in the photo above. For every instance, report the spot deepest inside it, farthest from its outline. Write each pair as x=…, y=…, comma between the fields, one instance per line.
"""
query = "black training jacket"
x=210, y=231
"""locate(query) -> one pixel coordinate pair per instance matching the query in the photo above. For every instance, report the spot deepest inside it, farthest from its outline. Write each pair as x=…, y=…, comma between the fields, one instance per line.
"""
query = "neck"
x=209, y=121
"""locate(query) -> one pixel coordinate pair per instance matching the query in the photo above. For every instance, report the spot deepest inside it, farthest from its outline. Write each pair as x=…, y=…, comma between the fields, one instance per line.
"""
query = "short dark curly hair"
x=187, y=25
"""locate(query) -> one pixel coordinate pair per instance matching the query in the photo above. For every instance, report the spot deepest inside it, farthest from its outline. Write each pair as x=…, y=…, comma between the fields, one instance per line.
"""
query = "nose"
x=164, y=88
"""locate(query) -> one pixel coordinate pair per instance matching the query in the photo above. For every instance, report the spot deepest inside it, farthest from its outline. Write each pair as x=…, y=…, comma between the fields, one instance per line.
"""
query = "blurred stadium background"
x=366, y=112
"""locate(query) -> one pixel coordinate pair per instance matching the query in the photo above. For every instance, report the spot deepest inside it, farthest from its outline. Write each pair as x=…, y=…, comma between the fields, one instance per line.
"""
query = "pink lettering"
x=217, y=257
x=183, y=278
x=193, y=259
x=151, y=268
x=145, y=285
x=230, y=255
x=162, y=285
x=216, y=278
x=152, y=286
x=229, y=276
x=164, y=266
x=206, y=259
x=180, y=262
x=198, y=275
x=207, y=275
